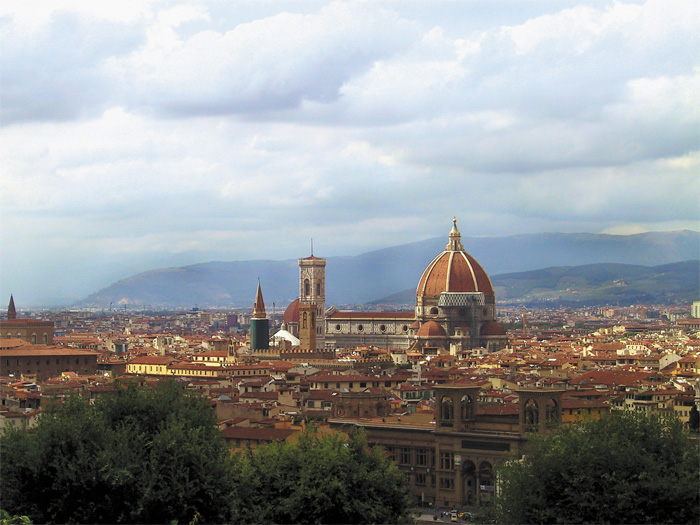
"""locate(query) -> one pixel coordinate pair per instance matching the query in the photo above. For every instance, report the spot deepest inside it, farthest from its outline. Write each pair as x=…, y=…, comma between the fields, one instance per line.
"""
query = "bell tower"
x=259, y=324
x=312, y=299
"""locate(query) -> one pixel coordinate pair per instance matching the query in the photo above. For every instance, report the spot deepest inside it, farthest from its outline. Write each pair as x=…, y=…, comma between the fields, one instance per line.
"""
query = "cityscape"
x=403, y=377
x=351, y=261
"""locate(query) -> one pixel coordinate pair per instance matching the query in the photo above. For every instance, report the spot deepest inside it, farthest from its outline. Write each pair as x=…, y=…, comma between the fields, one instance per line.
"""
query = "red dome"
x=454, y=270
x=431, y=329
x=291, y=314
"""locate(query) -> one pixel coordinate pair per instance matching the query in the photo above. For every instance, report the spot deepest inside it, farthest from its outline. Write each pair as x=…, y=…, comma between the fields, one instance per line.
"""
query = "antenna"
x=312, y=246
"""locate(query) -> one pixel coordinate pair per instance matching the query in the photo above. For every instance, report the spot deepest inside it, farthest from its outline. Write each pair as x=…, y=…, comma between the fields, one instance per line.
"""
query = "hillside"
x=366, y=277
x=591, y=284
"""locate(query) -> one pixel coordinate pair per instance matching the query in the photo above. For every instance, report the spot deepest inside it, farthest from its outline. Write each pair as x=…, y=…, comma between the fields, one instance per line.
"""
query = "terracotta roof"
x=43, y=350
x=492, y=328
x=431, y=329
x=291, y=314
x=151, y=360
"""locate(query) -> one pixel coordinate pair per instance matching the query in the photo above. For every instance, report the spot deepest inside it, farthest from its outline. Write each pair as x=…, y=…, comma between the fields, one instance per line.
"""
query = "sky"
x=146, y=134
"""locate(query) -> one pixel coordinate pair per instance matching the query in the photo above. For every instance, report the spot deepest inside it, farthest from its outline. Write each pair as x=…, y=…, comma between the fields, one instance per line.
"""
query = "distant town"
x=449, y=388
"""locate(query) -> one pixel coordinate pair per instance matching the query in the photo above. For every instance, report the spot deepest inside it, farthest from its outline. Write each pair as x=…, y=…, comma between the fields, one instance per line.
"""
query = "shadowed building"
x=29, y=330
x=449, y=456
x=259, y=324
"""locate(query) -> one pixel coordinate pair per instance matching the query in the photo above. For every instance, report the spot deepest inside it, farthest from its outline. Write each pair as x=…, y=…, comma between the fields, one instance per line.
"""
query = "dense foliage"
x=624, y=468
x=137, y=456
x=321, y=479
x=141, y=456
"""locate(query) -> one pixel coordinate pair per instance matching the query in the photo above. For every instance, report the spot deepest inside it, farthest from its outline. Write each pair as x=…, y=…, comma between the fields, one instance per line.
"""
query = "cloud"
x=159, y=133
x=257, y=67
x=54, y=74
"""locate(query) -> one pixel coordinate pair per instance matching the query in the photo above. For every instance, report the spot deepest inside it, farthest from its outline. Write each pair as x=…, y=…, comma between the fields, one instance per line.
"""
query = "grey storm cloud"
x=140, y=133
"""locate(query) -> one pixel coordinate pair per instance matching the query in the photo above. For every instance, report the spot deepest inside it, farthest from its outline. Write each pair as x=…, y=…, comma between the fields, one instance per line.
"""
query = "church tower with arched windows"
x=312, y=302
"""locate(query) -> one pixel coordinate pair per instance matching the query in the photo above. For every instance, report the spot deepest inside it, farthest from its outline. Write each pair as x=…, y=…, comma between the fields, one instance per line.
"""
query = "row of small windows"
x=48, y=361
x=382, y=328
x=44, y=337
x=363, y=384
x=425, y=457
x=462, y=312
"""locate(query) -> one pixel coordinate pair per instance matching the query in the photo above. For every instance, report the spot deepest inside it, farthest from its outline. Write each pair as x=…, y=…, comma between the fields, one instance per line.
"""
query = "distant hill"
x=591, y=284
x=381, y=273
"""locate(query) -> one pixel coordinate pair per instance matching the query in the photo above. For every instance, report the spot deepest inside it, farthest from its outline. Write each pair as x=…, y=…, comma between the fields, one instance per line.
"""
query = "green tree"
x=321, y=479
x=694, y=418
x=624, y=468
x=137, y=456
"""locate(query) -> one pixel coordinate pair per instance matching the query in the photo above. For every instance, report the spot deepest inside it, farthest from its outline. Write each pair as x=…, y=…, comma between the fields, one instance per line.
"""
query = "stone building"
x=449, y=456
x=30, y=330
x=42, y=362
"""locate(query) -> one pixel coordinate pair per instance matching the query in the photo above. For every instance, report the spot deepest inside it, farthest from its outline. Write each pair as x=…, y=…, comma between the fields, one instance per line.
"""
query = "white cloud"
x=146, y=133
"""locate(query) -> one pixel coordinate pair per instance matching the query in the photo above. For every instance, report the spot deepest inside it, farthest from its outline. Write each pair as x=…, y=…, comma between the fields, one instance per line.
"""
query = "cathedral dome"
x=291, y=314
x=454, y=270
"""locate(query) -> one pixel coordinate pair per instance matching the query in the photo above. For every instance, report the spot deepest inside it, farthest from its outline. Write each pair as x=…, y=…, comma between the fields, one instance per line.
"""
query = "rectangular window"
x=421, y=457
x=405, y=456
x=447, y=483
x=447, y=461
x=363, y=385
x=420, y=479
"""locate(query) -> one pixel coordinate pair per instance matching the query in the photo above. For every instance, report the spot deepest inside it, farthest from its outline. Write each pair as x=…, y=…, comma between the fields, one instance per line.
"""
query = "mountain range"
x=591, y=284
x=384, y=273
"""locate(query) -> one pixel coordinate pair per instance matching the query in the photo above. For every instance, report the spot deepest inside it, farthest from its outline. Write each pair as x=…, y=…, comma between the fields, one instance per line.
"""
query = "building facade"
x=455, y=309
x=450, y=460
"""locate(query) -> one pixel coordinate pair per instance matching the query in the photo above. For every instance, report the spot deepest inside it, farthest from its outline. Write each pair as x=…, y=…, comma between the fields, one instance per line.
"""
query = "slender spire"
x=312, y=246
x=259, y=306
x=11, y=312
x=455, y=243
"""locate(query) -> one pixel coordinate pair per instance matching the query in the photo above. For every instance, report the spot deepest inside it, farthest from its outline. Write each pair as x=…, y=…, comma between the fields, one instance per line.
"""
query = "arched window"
x=45, y=338
x=485, y=474
x=318, y=288
x=532, y=413
x=551, y=413
x=307, y=287
x=33, y=339
x=467, y=408
x=303, y=320
x=434, y=311
x=447, y=411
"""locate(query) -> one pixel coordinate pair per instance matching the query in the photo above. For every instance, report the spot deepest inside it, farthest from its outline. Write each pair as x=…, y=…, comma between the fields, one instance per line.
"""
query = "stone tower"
x=259, y=324
x=312, y=301
x=11, y=311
